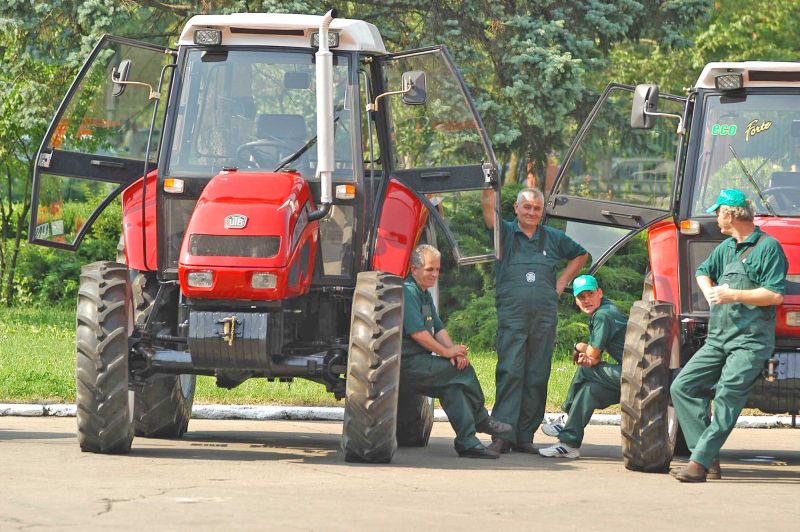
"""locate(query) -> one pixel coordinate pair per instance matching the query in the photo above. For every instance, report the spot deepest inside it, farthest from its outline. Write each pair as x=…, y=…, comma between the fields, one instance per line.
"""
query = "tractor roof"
x=754, y=73
x=262, y=29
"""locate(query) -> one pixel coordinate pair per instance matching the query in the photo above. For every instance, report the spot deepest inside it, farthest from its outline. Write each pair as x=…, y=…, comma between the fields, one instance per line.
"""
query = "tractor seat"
x=290, y=129
x=785, y=179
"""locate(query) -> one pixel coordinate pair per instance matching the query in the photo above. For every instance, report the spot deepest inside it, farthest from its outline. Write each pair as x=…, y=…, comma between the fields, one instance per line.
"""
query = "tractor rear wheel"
x=162, y=403
x=414, y=419
x=373, y=369
x=104, y=324
x=645, y=384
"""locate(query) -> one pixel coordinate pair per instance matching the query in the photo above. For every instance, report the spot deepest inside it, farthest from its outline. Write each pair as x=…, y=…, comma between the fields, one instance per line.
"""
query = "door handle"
x=107, y=164
x=612, y=214
x=432, y=175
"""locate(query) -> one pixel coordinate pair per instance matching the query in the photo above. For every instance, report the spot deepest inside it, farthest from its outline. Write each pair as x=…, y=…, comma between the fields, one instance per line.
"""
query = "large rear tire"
x=162, y=403
x=373, y=369
x=104, y=324
x=645, y=384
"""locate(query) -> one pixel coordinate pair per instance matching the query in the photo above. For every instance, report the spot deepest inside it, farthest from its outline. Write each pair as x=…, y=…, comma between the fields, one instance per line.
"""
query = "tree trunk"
x=513, y=168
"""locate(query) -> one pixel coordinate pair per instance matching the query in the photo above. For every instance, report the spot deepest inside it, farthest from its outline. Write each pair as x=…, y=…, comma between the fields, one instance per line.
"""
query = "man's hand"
x=576, y=355
x=458, y=355
x=719, y=295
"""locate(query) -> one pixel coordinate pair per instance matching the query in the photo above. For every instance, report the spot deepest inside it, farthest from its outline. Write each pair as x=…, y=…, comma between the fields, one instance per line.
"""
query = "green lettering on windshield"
x=723, y=129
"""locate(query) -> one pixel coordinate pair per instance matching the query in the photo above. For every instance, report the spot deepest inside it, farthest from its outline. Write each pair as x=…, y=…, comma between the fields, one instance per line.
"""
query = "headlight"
x=264, y=280
x=793, y=318
x=200, y=279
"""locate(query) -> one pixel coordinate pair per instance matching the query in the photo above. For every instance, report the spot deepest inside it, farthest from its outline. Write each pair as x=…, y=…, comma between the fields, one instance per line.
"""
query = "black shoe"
x=500, y=446
x=493, y=426
x=479, y=451
x=526, y=447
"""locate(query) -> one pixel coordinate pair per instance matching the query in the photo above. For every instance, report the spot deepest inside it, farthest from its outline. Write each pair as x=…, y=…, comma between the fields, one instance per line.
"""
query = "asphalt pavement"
x=291, y=475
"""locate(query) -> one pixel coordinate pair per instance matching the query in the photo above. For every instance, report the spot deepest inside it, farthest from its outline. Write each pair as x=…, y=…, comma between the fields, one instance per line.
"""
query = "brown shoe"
x=493, y=426
x=683, y=475
x=479, y=451
x=526, y=447
x=500, y=446
x=714, y=472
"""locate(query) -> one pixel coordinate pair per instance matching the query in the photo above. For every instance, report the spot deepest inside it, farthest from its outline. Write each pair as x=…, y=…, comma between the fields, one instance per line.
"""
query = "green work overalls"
x=527, y=314
x=458, y=391
x=740, y=338
x=597, y=386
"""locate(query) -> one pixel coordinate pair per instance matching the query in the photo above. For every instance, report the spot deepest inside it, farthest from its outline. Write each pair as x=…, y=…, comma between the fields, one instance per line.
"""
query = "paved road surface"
x=290, y=475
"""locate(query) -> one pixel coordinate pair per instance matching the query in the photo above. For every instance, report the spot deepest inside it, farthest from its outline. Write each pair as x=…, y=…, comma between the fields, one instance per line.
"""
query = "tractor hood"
x=248, y=223
x=787, y=232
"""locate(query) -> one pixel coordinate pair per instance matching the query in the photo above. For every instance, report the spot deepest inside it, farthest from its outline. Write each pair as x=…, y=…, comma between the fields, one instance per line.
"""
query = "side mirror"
x=415, y=87
x=120, y=73
x=645, y=100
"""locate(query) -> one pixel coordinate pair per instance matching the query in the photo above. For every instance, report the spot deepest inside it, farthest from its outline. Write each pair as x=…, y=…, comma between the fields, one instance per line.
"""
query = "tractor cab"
x=276, y=173
x=651, y=163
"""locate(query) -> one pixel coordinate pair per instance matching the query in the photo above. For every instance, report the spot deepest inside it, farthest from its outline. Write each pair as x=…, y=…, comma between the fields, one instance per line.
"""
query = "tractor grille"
x=260, y=247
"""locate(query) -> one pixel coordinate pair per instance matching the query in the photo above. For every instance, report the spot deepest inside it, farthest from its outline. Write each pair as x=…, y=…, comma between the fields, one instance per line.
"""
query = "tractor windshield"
x=763, y=131
x=255, y=110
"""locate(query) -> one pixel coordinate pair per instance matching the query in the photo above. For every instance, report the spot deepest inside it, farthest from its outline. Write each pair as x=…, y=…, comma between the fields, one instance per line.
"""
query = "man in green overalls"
x=743, y=280
x=448, y=376
x=596, y=384
x=527, y=292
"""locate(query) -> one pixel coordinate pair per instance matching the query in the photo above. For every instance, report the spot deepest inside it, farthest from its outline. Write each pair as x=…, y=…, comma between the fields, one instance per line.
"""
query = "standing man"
x=527, y=291
x=448, y=376
x=596, y=384
x=743, y=280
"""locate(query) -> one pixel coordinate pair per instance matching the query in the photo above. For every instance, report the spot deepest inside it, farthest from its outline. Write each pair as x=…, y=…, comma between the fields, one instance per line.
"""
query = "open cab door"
x=98, y=141
x=440, y=149
x=616, y=181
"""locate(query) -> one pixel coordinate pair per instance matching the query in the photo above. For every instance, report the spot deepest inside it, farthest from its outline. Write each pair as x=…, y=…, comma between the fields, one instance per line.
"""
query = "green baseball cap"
x=583, y=283
x=732, y=197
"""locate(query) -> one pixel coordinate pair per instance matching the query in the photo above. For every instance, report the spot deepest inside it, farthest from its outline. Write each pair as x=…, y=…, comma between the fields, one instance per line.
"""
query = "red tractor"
x=291, y=166
x=644, y=162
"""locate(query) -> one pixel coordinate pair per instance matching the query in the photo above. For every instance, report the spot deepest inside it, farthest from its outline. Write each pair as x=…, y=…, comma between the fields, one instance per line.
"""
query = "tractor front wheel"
x=104, y=324
x=373, y=369
x=414, y=419
x=645, y=385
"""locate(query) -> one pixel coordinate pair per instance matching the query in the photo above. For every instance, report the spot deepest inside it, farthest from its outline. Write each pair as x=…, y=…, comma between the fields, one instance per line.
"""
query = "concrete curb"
x=334, y=413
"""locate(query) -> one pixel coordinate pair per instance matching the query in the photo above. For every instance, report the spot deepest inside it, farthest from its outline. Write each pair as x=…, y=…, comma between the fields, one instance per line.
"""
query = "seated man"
x=448, y=376
x=596, y=384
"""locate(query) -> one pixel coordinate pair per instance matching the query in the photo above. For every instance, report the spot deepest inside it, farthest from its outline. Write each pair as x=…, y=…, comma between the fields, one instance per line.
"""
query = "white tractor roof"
x=754, y=73
x=262, y=29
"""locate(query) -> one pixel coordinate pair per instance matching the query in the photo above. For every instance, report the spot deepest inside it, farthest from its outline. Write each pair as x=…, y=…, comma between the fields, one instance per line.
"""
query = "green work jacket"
x=526, y=272
x=739, y=324
x=607, y=326
x=419, y=314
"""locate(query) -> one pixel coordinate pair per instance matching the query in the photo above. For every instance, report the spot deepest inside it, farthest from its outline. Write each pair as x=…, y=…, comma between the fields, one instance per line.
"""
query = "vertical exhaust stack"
x=325, y=158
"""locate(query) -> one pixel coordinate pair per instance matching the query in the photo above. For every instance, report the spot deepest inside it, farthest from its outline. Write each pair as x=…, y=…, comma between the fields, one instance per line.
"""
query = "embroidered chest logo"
x=530, y=277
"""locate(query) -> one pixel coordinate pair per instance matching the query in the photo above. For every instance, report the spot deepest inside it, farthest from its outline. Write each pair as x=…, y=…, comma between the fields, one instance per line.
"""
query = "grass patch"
x=37, y=365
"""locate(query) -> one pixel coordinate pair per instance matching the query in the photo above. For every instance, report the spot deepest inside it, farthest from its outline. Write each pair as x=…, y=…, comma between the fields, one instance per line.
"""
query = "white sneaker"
x=560, y=450
x=554, y=429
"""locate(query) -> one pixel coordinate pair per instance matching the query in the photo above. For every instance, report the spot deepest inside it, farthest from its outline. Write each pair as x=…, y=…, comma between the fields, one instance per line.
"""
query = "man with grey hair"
x=448, y=375
x=743, y=279
x=527, y=313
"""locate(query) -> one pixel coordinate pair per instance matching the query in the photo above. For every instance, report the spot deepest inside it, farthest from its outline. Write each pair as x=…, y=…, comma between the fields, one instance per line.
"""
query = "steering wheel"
x=262, y=153
x=787, y=199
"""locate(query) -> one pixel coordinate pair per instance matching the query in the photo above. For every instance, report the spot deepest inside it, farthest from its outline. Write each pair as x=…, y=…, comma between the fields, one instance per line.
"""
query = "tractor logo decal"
x=235, y=221
x=754, y=128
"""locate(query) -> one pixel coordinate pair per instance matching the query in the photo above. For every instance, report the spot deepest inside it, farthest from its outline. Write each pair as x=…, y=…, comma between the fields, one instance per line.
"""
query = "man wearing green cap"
x=596, y=384
x=743, y=280
x=527, y=292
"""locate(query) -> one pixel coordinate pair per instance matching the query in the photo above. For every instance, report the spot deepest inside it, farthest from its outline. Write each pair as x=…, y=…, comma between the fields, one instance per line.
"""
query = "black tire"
x=645, y=383
x=414, y=419
x=373, y=369
x=162, y=403
x=104, y=323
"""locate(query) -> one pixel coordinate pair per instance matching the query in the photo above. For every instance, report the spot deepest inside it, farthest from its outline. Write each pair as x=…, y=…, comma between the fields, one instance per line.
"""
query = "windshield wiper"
x=304, y=148
x=764, y=200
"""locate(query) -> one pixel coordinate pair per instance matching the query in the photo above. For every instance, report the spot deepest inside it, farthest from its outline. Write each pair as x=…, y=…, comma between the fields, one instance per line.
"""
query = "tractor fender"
x=662, y=250
x=132, y=224
x=402, y=221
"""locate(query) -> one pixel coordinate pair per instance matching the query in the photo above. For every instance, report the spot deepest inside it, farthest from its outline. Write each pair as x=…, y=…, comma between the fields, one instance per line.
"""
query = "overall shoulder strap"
x=749, y=250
